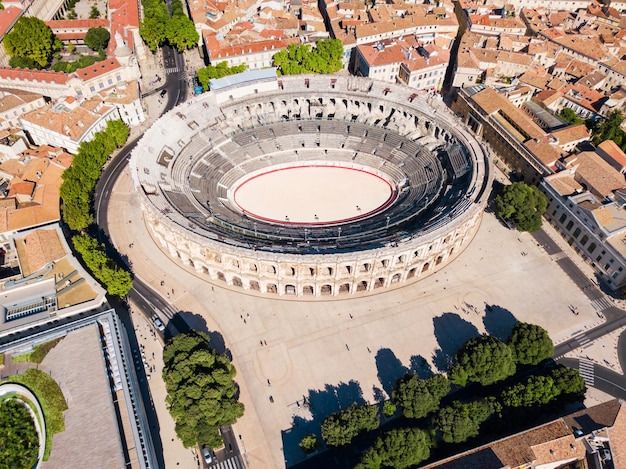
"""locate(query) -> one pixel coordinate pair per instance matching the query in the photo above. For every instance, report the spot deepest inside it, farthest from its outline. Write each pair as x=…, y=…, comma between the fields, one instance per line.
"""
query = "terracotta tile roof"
x=26, y=188
x=571, y=133
x=8, y=17
x=124, y=17
x=41, y=76
x=97, y=69
x=543, y=150
x=41, y=247
x=77, y=24
x=603, y=216
x=612, y=153
x=561, y=449
x=565, y=185
x=617, y=435
x=594, y=418
x=598, y=175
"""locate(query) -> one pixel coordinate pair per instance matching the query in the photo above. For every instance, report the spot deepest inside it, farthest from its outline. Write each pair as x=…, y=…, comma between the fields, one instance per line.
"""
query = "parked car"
x=206, y=454
x=163, y=93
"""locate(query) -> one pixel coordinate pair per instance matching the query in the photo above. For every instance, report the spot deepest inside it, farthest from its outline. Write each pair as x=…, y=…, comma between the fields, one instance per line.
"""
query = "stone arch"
x=290, y=289
x=411, y=273
x=395, y=278
x=237, y=282
x=344, y=288
x=426, y=267
x=254, y=285
x=379, y=283
x=271, y=288
x=439, y=259
x=308, y=290
x=361, y=286
x=221, y=276
x=326, y=289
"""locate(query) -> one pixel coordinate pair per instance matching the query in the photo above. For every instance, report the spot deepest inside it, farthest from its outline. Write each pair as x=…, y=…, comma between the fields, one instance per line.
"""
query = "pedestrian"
x=268, y=382
x=347, y=347
x=261, y=343
x=265, y=342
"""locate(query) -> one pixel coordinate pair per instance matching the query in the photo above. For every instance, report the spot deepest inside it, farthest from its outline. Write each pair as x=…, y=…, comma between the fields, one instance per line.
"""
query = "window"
x=598, y=258
x=110, y=81
x=592, y=247
x=562, y=219
x=569, y=225
x=92, y=89
x=101, y=85
x=584, y=240
x=576, y=233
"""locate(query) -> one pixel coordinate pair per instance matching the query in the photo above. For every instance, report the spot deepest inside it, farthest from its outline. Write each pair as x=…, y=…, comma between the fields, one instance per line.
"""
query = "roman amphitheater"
x=319, y=186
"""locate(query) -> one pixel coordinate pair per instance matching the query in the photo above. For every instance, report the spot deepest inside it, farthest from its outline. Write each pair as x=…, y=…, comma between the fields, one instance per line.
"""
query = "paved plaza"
x=335, y=352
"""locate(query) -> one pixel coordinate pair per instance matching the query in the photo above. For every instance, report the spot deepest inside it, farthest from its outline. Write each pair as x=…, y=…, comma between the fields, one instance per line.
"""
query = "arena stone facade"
x=186, y=164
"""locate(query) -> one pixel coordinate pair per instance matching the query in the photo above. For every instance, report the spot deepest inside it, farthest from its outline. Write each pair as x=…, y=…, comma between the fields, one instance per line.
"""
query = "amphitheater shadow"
x=451, y=332
x=184, y=321
x=499, y=322
x=319, y=404
x=390, y=369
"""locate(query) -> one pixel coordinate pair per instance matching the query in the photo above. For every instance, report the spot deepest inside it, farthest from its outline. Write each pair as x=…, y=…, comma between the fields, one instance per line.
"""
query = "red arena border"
x=380, y=208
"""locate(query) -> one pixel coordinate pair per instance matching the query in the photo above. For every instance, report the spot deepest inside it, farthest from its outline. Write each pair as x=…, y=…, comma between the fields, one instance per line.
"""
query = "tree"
x=389, y=408
x=94, y=13
x=19, y=442
x=570, y=117
x=569, y=383
x=530, y=344
x=459, y=422
x=152, y=31
x=522, y=204
x=341, y=427
x=326, y=57
x=484, y=360
x=308, y=444
x=536, y=390
x=97, y=38
x=118, y=132
x=217, y=71
x=399, y=448
x=23, y=62
x=32, y=38
x=419, y=397
x=609, y=129
x=201, y=393
x=181, y=33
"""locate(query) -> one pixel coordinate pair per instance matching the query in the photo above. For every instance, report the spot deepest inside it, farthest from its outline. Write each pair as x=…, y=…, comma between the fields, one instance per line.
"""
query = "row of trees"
x=523, y=205
x=484, y=361
x=201, y=393
x=325, y=57
x=220, y=70
x=79, y=181
x=158, y=27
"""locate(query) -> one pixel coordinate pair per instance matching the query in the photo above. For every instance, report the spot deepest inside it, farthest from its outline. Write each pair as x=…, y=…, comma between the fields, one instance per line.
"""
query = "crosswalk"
x=582, y=339
x=231, y=463
x=172, y=70
x=586, y=369
x=601, y=303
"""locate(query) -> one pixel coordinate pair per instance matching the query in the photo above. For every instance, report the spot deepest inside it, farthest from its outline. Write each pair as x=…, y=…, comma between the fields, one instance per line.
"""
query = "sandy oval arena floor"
x=313, y=195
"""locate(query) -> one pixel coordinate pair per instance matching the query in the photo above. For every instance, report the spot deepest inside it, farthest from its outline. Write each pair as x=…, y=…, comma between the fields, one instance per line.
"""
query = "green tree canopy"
x=530, y=344
x=484, y=360
x=522, y=204
x=610, y=129
x=19, y=442
x=181, y=33
x=97, y=38
x=419, y=397
x=152, y=31
x=325, y=57
x=217, y=71
x=569, y=383
x=308, y=444
x=201, y=393
x=459, y=422
x=32, y=38
x=23, y=62
x=570, y=117
x=399, y=448
x=536, y=390
x=340, y=428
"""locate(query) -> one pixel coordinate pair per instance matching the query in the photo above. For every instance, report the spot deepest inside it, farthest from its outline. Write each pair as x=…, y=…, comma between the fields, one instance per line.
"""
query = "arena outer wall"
x=166, y=160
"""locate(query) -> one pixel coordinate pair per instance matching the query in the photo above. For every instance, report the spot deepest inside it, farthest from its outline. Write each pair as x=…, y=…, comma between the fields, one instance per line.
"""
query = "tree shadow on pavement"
x=184, y=321
x=390, y=369
x=451, y=332
x=499, y=322
x=421, y=367
x=319, y=404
